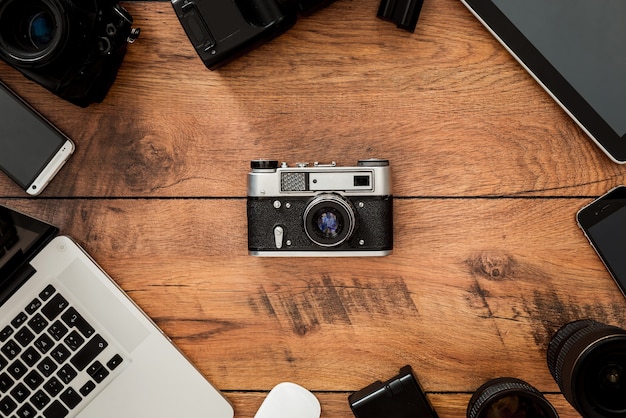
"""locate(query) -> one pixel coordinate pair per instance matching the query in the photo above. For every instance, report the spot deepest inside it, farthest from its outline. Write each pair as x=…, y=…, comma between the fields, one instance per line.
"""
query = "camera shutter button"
x=278, y=236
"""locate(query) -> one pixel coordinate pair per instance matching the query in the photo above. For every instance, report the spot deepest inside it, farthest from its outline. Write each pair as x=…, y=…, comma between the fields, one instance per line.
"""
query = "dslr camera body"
x=222, y=30
x=73, y=48
x=320, y=210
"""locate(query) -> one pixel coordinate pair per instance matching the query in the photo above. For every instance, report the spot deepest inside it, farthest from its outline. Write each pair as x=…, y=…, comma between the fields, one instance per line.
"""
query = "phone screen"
x=27, y=141
x=604, y=223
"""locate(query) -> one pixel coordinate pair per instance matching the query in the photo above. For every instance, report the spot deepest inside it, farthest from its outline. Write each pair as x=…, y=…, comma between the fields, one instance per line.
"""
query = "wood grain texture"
x=470, y=293
x=447, y=105
x=488, y=175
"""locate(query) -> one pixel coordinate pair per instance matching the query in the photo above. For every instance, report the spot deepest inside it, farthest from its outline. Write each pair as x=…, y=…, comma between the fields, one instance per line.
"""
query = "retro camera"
x=320, y=210
x=221, y=30
x=588, y=361
x=73, y=48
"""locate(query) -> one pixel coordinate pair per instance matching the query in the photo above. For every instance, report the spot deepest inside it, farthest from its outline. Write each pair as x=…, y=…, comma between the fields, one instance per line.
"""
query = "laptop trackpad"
x=104, y=302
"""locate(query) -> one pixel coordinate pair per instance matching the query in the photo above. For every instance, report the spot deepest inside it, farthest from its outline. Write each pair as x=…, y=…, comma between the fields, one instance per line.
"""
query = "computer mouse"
x=289, y=400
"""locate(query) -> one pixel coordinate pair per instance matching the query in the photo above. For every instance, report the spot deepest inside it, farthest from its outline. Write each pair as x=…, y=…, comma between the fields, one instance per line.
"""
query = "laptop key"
x=54, y=307
x=60, y=353
x=70, y=398
x=24, y=336
x=87, y=388
x=20, y=392
x=67, y=374
x=33, y=379
x=7, y=405
x=57, y=330
x=47, y=292
x=44, y=343
x=11, y=349
x=89, y=352
x=38, y=323
x=5, y=382
x=115, y=361
x=26, y=411
x=33, y=306
x=74, y=340
x=53, y=386
x=40, y=399
x=19, y=320
x=6, y=333
x=17, y=369
x=73, y=319
x=47, y=367
x=55, y=410
x=97, y=372
x=30, y=356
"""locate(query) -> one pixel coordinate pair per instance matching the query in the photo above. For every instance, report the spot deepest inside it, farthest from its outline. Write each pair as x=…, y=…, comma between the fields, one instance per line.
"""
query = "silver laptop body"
x=73, y=344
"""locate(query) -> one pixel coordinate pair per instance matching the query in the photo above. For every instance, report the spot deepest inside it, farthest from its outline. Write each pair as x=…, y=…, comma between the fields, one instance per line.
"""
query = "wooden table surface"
x=488, y=173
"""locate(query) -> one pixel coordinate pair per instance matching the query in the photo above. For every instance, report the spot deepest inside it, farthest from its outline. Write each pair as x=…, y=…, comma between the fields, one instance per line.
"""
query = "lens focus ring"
x=329, y=220
x=587, y=359
x=495, y=393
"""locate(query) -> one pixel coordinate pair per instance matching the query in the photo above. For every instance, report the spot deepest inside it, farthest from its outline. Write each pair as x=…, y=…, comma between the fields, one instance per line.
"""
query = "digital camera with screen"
x=73, y=48
x=320, y=210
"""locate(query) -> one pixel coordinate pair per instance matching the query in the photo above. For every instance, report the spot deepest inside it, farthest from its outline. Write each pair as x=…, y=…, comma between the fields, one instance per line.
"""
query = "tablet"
x=576, y=50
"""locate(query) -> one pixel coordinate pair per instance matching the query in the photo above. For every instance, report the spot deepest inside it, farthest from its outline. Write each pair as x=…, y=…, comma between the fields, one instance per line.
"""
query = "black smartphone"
x=604, y=223
x=32, y=150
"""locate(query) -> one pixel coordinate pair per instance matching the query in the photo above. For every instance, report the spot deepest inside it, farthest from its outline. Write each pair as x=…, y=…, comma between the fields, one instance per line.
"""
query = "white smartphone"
x=32, y=150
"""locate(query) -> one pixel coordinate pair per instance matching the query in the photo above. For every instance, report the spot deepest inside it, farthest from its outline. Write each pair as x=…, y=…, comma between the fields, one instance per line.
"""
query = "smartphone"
x=604, y=223
x=32, y=150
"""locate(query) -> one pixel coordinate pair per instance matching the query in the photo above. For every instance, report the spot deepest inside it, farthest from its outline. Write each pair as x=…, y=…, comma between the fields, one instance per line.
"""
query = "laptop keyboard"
x=51, y=359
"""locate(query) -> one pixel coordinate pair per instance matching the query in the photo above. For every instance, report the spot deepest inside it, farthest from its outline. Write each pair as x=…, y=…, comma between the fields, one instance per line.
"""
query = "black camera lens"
x=41, y=30
x=507, y=397
x=30, y=31
x=329, y=220
x=588, y=361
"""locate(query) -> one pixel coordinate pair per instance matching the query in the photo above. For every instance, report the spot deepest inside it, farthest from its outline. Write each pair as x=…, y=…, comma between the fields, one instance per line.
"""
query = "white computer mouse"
x=288, y=400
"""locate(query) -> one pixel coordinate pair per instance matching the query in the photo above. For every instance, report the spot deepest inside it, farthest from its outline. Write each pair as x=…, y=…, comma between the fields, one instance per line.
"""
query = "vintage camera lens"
x=588, y=361
x=329, y=220
x=507, y=397
x=30, y=31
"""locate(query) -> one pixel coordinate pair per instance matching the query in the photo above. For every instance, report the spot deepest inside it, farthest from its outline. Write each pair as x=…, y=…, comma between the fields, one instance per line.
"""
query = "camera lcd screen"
x=27, y=141
x=575, y=49
x=609, y=238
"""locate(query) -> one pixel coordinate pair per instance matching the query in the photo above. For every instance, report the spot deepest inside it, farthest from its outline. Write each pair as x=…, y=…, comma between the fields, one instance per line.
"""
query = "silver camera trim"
x=267, y=182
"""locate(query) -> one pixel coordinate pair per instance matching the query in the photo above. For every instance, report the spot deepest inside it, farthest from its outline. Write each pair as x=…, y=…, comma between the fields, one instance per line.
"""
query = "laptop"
x=575, y=50
x=73, y=344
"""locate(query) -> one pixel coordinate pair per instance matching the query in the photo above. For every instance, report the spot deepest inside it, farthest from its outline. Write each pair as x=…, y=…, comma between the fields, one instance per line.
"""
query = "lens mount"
x=329, y=220
x=31, y=32
x=507, y=397
x=588, y=361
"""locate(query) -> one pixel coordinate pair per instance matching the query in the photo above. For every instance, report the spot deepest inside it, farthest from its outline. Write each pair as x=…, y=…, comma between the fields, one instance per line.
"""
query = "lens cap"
x=509, y=397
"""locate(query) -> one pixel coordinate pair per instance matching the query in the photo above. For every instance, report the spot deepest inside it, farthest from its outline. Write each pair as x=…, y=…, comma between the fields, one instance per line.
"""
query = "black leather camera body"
x=73, y=48
x=222, y=30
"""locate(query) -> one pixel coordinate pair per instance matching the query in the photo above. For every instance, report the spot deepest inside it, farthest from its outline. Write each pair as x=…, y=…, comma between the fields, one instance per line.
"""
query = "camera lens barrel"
x=587, y=359
x=31, y=32
x=329, y=220
x=509, y=397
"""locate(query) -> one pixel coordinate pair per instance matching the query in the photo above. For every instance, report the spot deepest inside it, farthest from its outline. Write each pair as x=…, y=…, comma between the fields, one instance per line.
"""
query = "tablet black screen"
x=586, y=42
x=577, y=50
